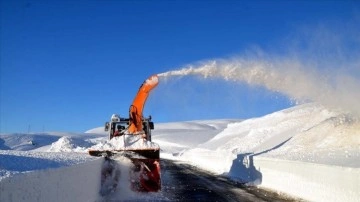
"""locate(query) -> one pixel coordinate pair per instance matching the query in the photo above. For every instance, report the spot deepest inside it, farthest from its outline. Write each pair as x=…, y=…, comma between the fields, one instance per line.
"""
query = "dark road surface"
x=182, y=182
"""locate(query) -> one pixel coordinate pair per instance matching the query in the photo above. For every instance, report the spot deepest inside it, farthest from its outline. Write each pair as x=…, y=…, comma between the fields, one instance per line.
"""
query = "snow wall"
x=314, y=182
x=309, y=181
x=76, y=183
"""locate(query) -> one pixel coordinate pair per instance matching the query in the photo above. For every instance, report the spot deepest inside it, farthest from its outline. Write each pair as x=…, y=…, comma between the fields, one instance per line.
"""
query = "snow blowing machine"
x=131, y=159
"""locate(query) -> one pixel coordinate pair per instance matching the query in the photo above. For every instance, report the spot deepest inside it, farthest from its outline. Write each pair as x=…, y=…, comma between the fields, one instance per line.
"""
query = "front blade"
x=144, y=171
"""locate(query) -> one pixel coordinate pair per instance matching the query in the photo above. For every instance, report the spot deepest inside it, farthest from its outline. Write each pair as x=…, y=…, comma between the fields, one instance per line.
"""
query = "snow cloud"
x=318, y=65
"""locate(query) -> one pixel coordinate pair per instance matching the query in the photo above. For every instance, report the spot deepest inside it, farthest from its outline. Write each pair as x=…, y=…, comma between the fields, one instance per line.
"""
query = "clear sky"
x=69, y=65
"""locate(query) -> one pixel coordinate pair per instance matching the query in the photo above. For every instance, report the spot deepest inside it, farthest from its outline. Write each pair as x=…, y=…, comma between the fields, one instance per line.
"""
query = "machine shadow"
x=243, y=169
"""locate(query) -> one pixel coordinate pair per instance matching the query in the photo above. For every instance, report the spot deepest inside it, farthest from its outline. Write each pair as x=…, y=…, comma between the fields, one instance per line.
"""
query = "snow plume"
x=328, y=73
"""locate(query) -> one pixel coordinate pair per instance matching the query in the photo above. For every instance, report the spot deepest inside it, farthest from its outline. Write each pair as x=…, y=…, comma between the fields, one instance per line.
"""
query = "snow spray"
x=297, y=80
x=317, y=63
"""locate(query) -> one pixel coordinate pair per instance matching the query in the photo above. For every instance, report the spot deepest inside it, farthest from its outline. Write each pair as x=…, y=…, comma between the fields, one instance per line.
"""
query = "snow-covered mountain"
x=306, y=151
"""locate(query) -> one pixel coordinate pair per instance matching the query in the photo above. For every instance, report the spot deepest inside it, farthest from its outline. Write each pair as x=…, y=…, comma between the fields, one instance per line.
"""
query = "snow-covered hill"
x=306, y=151
x=307, y=133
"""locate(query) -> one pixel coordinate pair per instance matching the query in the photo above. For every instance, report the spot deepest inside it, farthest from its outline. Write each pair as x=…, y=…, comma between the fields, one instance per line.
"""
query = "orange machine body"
x=136, y=108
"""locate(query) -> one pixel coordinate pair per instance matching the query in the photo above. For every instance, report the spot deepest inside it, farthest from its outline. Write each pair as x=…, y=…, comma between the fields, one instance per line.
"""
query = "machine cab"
x=118, y=126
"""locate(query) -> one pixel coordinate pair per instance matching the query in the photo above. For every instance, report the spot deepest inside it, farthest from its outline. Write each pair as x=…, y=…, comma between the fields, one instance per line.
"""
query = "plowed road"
x=182, y=182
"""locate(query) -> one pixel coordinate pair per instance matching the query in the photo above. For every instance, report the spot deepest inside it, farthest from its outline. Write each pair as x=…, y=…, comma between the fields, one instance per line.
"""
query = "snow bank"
x=314, y=182
x=81, y=182
x=14, y=162
x=77, y=183
x=307, y=151
x=69, y=144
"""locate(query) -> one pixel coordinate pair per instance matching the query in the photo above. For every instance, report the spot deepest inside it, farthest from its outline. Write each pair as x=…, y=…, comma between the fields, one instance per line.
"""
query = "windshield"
x=120, y=125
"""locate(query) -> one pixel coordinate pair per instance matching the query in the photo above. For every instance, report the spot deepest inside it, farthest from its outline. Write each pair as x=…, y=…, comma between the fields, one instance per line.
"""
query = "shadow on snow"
x=243, y=169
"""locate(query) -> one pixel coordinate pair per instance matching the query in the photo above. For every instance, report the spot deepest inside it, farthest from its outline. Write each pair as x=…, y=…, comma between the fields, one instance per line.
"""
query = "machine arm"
x=136, y=108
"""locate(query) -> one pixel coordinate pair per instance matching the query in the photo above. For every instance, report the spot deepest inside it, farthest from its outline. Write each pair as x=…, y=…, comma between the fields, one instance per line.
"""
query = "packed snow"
x=307, y=151
x=125, y=142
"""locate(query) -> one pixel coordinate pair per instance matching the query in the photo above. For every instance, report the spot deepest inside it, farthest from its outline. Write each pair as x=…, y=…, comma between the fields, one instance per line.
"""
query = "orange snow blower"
x=131, y=138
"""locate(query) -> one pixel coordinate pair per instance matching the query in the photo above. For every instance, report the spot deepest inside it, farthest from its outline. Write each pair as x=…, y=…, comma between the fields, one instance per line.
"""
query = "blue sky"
x=69, y=65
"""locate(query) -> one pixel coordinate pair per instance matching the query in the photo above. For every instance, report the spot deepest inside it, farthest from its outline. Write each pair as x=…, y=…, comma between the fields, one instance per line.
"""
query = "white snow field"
x=306, y=151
